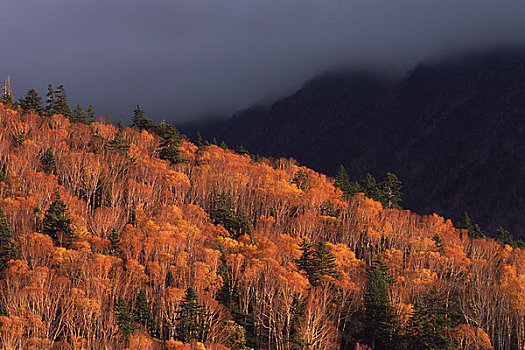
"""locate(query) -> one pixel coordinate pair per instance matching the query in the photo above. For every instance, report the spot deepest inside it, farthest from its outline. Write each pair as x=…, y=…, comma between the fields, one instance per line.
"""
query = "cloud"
x=180, y=59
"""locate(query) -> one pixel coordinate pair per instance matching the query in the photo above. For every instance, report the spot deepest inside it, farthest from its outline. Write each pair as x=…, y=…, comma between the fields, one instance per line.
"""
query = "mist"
x=185, y=59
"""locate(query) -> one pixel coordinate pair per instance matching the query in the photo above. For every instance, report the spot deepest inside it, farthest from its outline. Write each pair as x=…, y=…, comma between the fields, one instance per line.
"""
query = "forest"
x=116, y=237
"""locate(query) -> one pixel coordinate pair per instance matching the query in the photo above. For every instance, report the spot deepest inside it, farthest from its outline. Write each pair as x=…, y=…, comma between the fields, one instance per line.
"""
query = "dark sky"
x=181, y=59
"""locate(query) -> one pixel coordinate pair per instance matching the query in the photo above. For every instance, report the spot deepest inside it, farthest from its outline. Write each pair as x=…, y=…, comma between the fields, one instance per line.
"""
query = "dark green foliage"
x=223, y=145
x=32, y=101
x=342, y=181
x=236, y=222
x=317, y=261
x=438, y=242
x=434, y=316
x=504, y=237
x=142, y=314
x=7, y=99
x=193, y=321
x=91, y=113
x=48, y=161
x=118, y=144
x=114, y=239
x=8, y=248
x=379, y=320
x=80, y=116
x=296, y=340
x=57, y=223
x=474, y=230
x=51, y=101
x=329, y=209
x=169, y=151
x=242, y=151
x=124, y=317
x=3, y=310
x=140, y=121
x=390, y=192
x=198, y=140
x=61, y=104
x=300, y=179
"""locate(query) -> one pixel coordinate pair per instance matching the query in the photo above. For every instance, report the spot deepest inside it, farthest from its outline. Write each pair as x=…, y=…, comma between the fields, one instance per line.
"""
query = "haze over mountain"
x=453, y=131
x=181, y=59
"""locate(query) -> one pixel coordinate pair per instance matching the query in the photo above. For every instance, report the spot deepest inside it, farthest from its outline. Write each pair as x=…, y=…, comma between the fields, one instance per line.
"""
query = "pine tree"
x=504, y=237
x=114, y=239
x=118, y=144
x=296, y=340
x=390, y=192
x=473, y=230
x=32, y=101
x=91, y=113
x=57, y=223
x=438, y=242
x=300, y=179
x=236, y=222
x=80, y=116
x=3, y=309
x=124, y=317
x=433, y=318
x=140, y=121
x=51, y=101
x=192, y=319
x=142, y=314
x=379, y=320
x=342, y=181
x=48, y=161
x=369, y=186
x=8, y=248
x=61, y=104
x=317, y=261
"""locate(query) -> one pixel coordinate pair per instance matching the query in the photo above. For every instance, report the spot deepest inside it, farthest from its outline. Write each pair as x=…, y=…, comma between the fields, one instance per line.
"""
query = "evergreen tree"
x=236, y=222
x=114, y=239
x=433, y=318
x=504, y=237
x=379, y=320
x=57, y=223
x=473, y=230
x=48, y=161
x=342, y=181
x=438, y=242
x=124, y=317
x=317, y=261
x=7, y=99
x=91, y=113
x=300, y=179
x=80, y=116
x=8, y=248
x=192, y=319
x=390, y=190
x=142, y=314
x=51, y=101
x=3, y=309
x=296, y=340
x=118, y=144
x=140, y=121
x=32, y=101
x=61, y=104
x=370, y=188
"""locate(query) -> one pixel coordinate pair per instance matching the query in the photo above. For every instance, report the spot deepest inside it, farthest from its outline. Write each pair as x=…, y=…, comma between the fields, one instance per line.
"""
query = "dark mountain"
x=453, y=131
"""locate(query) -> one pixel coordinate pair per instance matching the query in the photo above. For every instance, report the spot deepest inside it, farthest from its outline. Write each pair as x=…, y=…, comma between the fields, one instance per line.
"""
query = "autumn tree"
x=379, y=319
x=8, y=247
x=192, y=319
x=57, y=223
x=32, y=101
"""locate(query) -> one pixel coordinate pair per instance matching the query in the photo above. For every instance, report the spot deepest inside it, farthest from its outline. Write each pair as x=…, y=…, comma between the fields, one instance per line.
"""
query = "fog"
x=185, y=59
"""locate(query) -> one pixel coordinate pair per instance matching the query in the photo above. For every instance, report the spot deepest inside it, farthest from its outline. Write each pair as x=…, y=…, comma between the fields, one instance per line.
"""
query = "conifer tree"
x=57, y=223
x=317, y=261
x=48, y=161
x=7, y=99
x=90, y=113
x=80, y=116
x=342, y=181
x=236, y=222
x=124, y=317
x=32, y=101
x=114, y=239
x=192, y=319
x=61, y=104
x=369, y=186
x=473, y=230
x=51, y=101
x=140, y=121
x=390, y=192
x=142, y=314
x=3, y=309
x=296, y=340
x=379, y=320
x=8, y=248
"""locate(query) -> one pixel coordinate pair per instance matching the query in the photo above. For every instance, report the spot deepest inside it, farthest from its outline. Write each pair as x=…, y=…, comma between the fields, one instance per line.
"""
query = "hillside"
x=105, y=245
x=452, y=131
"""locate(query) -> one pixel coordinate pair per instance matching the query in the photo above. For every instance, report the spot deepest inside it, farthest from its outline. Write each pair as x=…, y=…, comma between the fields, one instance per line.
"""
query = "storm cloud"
x=181, y=59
